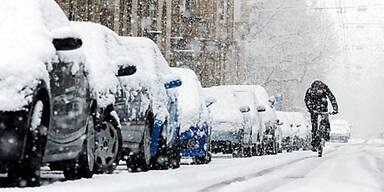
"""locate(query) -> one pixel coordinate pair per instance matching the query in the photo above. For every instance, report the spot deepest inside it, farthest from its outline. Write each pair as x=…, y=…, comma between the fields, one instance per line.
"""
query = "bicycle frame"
x=321, y=131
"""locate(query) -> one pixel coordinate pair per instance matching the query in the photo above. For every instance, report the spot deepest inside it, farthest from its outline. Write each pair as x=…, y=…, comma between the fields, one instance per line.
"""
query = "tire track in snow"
x=263, y=172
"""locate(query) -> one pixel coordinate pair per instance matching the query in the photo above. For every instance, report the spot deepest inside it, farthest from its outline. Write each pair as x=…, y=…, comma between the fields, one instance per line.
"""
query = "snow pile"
x=226, y=115
x=192, y=110
x=26, y=45
x=103, y=53
x=152, y=72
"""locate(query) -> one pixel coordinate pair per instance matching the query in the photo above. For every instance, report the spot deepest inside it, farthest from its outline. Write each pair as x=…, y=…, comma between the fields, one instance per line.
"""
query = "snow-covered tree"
x=287, y=46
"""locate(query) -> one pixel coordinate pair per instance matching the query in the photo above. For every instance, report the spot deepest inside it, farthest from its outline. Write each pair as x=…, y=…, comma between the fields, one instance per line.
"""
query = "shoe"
x=314, y=149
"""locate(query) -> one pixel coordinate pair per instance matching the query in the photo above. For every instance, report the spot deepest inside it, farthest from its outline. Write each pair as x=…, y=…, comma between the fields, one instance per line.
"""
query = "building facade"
x=195, y=34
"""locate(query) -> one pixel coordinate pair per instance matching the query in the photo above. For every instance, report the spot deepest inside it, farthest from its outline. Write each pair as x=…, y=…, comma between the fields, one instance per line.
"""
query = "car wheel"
x=174, y=153
x=108, y=147
x=27, y=172
x=83, y=166
x=141, y=161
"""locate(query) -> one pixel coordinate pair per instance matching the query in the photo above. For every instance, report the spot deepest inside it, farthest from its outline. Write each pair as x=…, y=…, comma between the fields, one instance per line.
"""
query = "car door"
x=68, y=111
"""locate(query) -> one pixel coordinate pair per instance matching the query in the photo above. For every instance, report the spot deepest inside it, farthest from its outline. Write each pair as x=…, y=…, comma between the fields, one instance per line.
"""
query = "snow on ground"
x=356, y=166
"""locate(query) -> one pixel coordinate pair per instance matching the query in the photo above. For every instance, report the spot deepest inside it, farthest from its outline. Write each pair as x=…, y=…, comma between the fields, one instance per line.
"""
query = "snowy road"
x=357, y=166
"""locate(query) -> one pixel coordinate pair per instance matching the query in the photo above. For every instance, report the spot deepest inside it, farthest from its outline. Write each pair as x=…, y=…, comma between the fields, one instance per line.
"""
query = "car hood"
x=26, y=46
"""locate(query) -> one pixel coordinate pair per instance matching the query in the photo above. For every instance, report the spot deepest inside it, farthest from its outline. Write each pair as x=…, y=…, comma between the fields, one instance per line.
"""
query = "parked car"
x=295, y=128
x=106, y=55
x=304, y=134
x=340, y=131
x=233, y=120
x=246, y=96
x=194, y=117
x=288, y=130
x=272, y=137
x=147, y=106
x=50, y=106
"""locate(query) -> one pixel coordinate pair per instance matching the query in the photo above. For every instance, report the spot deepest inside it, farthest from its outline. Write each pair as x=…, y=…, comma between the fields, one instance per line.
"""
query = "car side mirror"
x=245, y=109
x=209, y=101
x=261, y=108
x=67, y=44
x=126, y=70
x=272, y=101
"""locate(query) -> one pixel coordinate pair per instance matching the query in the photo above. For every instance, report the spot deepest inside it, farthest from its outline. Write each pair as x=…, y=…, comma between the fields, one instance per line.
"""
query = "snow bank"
x=103, y=53
x=192, y=110
x=26, y=45
x=152, y=72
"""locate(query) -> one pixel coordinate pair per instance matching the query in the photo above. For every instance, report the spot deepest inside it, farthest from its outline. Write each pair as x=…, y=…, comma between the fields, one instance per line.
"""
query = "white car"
x=340, y=130
x=272, y=138
x=231, y=132
x=289, y=130
x=304, y=134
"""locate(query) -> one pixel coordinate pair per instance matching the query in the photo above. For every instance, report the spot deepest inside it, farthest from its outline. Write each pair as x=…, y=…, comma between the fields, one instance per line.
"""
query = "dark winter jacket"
x=319, y=102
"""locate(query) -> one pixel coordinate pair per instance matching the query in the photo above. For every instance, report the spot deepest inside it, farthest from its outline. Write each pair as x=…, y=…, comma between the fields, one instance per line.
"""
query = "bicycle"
x=321, y=132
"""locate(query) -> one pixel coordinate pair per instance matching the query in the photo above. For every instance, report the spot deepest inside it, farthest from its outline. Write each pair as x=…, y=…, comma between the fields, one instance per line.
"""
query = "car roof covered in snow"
x=262, y=100
x=103, y=53
x=27, y=30
x=226, y=109
x=152, y=71
x=191, y=101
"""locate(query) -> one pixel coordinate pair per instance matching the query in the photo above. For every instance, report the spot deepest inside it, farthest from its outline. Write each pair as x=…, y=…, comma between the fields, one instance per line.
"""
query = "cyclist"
x=316, y=100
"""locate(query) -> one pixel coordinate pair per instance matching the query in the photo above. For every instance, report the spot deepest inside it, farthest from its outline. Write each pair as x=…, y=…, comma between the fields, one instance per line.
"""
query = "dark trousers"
x=314, y=121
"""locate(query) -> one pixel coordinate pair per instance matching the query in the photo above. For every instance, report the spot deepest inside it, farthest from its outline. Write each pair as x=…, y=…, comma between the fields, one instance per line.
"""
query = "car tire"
x=83, y=166
x=142, y=160
x=27, y=172
x=174, y=156
x=108, y=146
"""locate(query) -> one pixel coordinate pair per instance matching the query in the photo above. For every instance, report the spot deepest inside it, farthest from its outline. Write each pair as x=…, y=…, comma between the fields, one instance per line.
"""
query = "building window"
x=187, y=8
x=223, y=11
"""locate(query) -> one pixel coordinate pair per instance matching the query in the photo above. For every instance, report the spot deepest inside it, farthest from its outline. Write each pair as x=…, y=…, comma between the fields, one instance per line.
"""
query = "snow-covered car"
x=49, y=100
x=195, y=123
x=147, y=106
x=234, y=120
x=289, y=131
x=295, y=128
x=304, y=134
x=106, y=58
x=340, y=131
x=246, y=96
x=272, y=137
